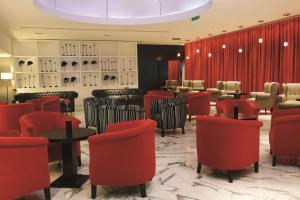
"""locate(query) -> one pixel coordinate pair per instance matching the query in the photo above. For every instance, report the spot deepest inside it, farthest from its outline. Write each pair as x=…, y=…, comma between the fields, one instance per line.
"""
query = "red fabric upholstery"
x=227, y=144
x=284, y=136
x=33, y=124
x=9, y=133
x=149, y=97
x=198, y=103
x=10, y=114
x=160, y=93
x=49, y=103
x=24, y=166
x=123, y=156
x=245, y=106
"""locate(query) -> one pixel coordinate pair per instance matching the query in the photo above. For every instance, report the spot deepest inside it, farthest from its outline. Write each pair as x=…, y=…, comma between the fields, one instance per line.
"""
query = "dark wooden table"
x=237, y=95
x=240, y=116
x=70, y=178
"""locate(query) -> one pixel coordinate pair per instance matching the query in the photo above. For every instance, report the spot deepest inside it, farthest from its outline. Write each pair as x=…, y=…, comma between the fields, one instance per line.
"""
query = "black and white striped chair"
x=169, y=113
x=99, y=112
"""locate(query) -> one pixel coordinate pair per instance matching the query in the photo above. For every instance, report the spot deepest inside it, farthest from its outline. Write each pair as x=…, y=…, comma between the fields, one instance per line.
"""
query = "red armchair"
x=149, y=97
x=10, y=114
x=227, y=144
x=198, y=103
x=24, y=167
x=284, y=136
x=9, y=133
x=245, y=106
x=35, y=123
x=49, y=103
x=124, y=156
x=160, y=93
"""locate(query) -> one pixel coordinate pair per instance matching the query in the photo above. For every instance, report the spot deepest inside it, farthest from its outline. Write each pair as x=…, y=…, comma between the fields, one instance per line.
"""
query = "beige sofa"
x=191, y=85
x=291, y=92
x=266, y=99
x=170, y=85
x=224, y=87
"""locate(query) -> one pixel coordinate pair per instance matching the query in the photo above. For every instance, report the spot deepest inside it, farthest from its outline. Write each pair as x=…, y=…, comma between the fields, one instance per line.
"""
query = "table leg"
x=70, y=178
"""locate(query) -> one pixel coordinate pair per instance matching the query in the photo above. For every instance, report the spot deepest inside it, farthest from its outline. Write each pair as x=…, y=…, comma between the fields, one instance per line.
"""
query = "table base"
x=74, y=182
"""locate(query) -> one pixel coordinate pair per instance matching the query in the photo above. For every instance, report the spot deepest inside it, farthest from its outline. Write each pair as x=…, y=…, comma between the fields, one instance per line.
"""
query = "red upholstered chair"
x=9, y=133
x=160, y=92
x=33, y=124
x=10, y=114
x=284, y=136
x=49, y=103
x=245, y=106
x=24, y=167
x=198, y=103
x=124, y=156
x=148, y=98
x=227, y=144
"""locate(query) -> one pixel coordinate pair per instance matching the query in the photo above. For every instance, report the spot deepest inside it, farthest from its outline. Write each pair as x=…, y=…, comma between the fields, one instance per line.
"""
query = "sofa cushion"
x=289, y=104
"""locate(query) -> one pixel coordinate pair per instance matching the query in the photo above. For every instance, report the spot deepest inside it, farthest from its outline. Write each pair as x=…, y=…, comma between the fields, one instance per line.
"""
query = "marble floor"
x=176, y=176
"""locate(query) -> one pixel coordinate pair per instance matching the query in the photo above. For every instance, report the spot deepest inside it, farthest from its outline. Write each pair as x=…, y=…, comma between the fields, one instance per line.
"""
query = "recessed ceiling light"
x=187, y=57
x=286, y=14
x=178, y=55
x=260, y=21
x=260, y=40
x=285, y=44
x=240, y=26
x=209, y=54
x=197, y=50
x=240, y=50
x=223, y=46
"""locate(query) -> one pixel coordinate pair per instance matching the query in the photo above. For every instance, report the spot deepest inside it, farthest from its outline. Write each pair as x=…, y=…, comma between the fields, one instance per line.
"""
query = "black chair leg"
x=274, y=162
x=199, y=168
x=86, y=126
x=190, y=118
x=143, y=190
x=183, y=131
x=256, y=167
x=94, y=191
x=271, y=152
x=47, y=193
x=162, y=133
x=230, y=176
x=79, y=161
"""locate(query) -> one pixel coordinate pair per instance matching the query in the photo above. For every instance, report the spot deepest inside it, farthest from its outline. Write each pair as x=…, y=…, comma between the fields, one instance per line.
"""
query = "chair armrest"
x=52, y=104
x=120, y=126
x=23, y=142
x=214, y=90
x=263, y=96
x=280, y=98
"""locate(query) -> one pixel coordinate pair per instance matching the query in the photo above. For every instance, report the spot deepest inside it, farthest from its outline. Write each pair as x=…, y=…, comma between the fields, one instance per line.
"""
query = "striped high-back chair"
x=169, y=113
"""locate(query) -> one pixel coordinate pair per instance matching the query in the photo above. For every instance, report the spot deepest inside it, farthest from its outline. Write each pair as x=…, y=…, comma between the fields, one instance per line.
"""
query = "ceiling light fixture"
x=178, y=55
x=209, y=55
x=285, y=44
x=224, y=46
x=240, y=50
x=124, y=12
x=187, y=57
x=197, y=51
x=260, y=40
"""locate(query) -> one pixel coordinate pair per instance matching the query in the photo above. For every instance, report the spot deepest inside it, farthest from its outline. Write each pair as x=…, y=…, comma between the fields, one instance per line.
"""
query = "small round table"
x=70, y=178
x=241, y=116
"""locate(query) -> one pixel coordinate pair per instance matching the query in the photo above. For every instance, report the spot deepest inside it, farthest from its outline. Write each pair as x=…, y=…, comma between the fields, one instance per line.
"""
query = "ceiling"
x=22, y=20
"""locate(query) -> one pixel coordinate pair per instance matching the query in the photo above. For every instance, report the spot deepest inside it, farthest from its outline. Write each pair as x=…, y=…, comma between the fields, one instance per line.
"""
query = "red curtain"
x=174, y=70
x=256, y=64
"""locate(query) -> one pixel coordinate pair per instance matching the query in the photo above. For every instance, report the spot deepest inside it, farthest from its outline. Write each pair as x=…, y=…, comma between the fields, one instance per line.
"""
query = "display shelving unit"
x=46, y=65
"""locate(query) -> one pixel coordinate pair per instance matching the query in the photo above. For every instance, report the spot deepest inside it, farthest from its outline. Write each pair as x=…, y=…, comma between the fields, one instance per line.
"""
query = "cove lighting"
x=260, y=40
x=124, y=11
x=285, y=44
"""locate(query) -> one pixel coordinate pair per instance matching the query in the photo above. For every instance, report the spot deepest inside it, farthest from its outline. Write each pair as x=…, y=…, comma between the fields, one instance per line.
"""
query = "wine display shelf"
x=74, y=65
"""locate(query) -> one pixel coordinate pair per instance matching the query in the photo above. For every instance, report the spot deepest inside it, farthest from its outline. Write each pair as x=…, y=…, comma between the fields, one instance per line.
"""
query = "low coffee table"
x=70, y=178
x=241, y=116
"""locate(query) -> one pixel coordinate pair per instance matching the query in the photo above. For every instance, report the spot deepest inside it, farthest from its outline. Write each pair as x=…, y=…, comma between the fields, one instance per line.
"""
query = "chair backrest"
x=245, y=106
x=271, y=88
x=199, y=103
x=291, y=90
x=149, y=98
x=233, y=85
x=283, y=113
x=134, y=140
x=198, y=84
x=171, y=83
x=11, y=113
x=227, y=143
x=186, y=83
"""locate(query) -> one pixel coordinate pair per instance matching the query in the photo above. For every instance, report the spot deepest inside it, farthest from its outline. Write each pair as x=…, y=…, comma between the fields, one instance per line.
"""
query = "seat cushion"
x=289, y=104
